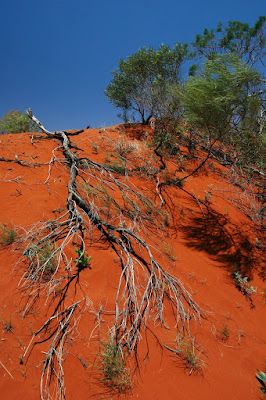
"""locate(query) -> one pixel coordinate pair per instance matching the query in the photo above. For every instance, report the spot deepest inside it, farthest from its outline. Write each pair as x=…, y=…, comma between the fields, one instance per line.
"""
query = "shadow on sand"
x=225, y=242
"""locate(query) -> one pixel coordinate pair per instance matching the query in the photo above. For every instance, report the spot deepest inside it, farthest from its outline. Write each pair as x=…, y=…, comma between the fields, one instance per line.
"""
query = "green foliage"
x=116, y=167
x=7, y=235
x=261, y=377
x=236, y=38
x=112, y=366
x=144, y=79
x=82, y=260
x=43, y=258
x=16, y=122
x=219, y=99
x=225, y=102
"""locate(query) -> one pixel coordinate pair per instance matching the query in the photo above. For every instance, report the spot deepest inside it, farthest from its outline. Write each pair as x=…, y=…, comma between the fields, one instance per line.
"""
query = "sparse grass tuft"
x=169, y=251
x=43, y=258
x=95, y=147
x=112, y=367
x=8, y=327
x=223, y=333
x=124, y=148
x=188, y=354
x=7, y=235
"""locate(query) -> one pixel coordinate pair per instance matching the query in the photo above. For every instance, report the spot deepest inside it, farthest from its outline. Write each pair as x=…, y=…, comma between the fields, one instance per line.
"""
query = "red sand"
x=204, y=263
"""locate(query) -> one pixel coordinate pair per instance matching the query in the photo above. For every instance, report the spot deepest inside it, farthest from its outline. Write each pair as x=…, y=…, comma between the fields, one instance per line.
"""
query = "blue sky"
x=57, y=55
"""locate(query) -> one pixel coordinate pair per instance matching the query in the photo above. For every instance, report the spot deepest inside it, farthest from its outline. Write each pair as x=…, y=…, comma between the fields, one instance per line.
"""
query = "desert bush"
x=16, y=122
x=243, y=285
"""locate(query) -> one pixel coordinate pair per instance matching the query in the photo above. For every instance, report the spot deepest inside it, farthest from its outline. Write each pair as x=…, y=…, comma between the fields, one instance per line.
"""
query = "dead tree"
x=144, y=287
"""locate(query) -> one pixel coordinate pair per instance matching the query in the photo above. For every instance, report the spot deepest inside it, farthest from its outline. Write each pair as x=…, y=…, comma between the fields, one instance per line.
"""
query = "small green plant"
x=8, y=327
x=187, y=352
x=223, y=333
x=261, y=377
x=82, y=260
x=112, y=367
x=7, y=235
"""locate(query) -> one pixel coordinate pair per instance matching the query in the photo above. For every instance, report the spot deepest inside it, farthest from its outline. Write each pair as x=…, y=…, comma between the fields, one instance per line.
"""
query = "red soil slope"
x=202, y=247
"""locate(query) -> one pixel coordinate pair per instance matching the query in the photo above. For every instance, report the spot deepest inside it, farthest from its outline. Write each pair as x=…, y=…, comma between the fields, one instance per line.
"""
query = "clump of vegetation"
x=243, y=285
x=95, y=147
x=8, y=327
x=187, y=352
x=124, y=148
x=112, y=367
x=223, y=333
x=169, y=251
x=82, y=260
x=117, y=167
x=42, y=259
x=16, y=122
x=7, y=235
x=261, y=377
x=142, y=80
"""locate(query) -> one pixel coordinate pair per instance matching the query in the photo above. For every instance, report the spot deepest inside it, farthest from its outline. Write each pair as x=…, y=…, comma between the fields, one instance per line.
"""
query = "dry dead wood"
x=144, y=287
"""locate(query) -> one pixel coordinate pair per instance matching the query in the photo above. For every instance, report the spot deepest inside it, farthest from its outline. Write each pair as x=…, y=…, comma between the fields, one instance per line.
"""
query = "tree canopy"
x=143, y=79
x=224, y=101
x=223, y=93
x=240, y=39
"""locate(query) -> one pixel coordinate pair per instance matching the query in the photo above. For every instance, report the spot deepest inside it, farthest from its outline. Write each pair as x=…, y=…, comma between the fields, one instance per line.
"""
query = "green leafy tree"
x=16, y=122
x=143, y=80
x=224, y=101
x=244, y=41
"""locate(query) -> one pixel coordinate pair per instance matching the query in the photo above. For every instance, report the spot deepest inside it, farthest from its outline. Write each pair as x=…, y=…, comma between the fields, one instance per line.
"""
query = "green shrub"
x=16, y=122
